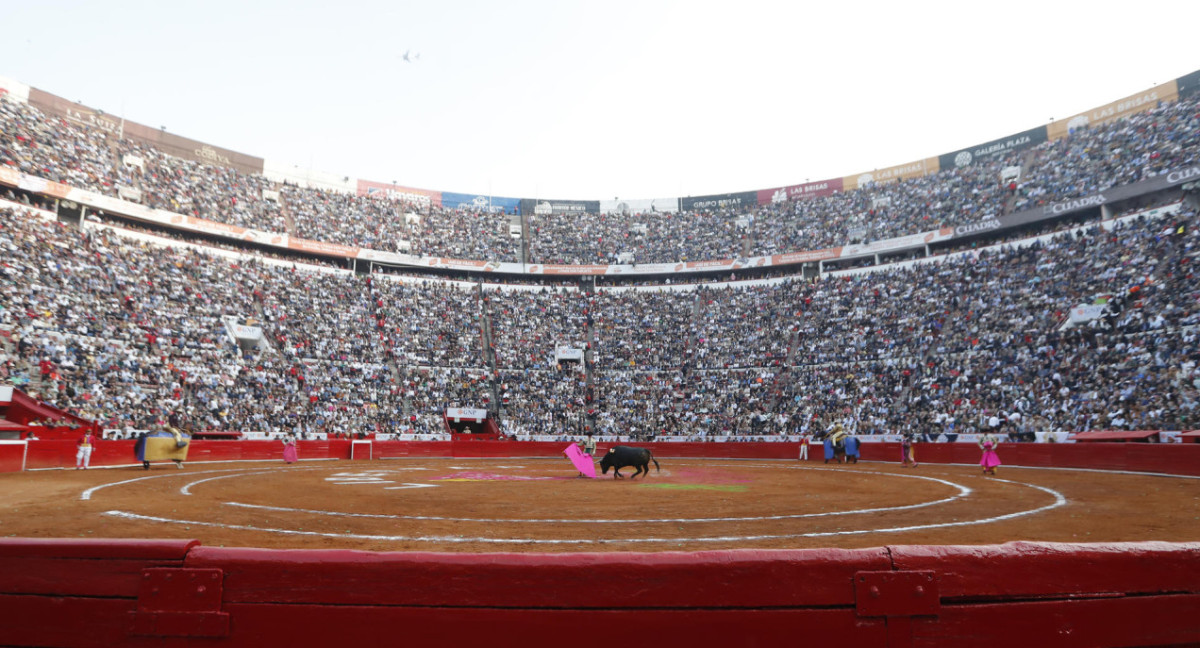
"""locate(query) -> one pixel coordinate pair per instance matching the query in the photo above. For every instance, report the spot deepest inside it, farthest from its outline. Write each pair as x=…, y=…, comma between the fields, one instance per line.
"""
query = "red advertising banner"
x=796, y=192
x=397, y=192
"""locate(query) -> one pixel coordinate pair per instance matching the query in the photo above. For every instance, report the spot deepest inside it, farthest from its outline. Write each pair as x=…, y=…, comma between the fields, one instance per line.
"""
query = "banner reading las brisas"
x=890, y=174
x=795, y=192
x=1136, y=103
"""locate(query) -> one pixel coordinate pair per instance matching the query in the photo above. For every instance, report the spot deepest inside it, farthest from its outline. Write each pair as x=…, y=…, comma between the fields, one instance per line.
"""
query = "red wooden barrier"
x=1171, y=458
x=74, y=593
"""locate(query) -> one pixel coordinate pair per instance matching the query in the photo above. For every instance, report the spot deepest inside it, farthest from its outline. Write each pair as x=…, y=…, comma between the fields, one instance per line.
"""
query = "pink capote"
x=990, y=459
x=289, y=453
x=583, y=462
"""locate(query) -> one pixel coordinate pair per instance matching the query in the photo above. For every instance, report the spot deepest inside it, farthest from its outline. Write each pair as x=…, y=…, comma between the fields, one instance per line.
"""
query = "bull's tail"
x=656, y=468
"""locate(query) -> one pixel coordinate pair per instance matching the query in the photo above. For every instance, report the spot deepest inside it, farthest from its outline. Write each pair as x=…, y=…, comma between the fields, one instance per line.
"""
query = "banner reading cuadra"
x=891, y=174
x=1136, y=103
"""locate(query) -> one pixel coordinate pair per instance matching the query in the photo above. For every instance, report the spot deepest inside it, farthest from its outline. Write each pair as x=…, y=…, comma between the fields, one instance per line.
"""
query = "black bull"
x=620, y=456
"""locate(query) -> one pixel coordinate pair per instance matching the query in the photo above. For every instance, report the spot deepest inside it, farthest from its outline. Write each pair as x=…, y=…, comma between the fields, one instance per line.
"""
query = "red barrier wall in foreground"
x=158, y=593
x=1172, y=458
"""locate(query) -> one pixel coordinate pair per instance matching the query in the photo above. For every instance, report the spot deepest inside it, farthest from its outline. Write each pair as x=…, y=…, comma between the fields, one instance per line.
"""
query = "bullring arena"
x=537, y=504
x=436, y=352
x=469, y=548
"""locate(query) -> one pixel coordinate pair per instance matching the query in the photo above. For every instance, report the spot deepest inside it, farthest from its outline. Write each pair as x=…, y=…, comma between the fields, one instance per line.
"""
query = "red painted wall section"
x=562, y=581
x=89, y=593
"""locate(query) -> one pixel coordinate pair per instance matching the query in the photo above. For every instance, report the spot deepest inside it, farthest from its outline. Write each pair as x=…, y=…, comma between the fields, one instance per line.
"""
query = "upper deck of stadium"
x=1121, y=151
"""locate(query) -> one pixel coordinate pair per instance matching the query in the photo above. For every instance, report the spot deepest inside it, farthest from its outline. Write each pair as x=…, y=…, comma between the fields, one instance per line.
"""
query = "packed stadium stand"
x=121, y=320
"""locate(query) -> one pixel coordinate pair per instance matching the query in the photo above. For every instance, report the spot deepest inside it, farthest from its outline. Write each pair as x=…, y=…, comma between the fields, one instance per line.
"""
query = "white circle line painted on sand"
x=963, y=491
x=187, y=488
x=87, y=494
x=1059, y=500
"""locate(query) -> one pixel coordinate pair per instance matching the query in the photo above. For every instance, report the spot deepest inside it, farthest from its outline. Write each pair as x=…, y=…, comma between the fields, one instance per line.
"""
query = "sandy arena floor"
x=537, y=505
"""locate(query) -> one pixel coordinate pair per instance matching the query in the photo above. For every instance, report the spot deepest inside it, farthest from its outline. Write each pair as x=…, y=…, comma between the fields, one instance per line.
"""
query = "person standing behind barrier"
x=83, y=450
x=289, y=449
x=990, y=460
x=908, y=453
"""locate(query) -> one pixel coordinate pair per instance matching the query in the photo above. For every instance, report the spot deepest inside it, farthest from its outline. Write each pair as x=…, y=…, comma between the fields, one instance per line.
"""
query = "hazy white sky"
x=596, y=100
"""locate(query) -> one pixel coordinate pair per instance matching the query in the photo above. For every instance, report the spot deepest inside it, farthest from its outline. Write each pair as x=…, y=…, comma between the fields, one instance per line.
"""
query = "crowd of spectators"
x=125, y=332
x=1102, y=156
x=1089, y=160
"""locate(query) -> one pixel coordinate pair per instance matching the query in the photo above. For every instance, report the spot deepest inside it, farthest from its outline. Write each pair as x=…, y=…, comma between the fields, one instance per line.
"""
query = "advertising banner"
x=388, y=257
x=42, y=186
x=243, y=332
x=795, y=192
x=549, y=206
x=78, y=114
x=480, y=202
x=966, y=157
x=1112, y=111
x=640, y=206
x=389, y=191
x=719, y=201
x=473, y=413
x=318, y=247
x=569, y=269
x=467, y=264
x=306, y=176
x=568, y=353
x=806, y=257
x=1188, y=84
x=1084, y=313
x=898, y=172
x=898, y=243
